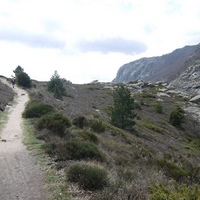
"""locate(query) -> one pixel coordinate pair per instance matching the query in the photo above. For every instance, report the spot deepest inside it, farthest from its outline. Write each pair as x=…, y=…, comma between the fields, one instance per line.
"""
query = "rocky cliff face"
x=179, y=68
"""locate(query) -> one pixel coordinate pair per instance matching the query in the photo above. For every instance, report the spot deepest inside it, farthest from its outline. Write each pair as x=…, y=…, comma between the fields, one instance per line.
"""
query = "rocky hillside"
x=6, y=95
x=181, y=67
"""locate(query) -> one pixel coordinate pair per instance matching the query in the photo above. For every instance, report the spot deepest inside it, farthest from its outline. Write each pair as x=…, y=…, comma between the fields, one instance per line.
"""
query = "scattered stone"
x=161, y=94
x=162, y=89
x=3, y=140
x=195, y=99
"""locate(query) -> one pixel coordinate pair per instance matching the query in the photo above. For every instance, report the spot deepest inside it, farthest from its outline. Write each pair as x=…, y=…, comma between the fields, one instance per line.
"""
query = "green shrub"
x=177, y=117
x=172, y=169
x=137, y=106
x=37, y=110
x=56, y=85
x=50, y=148
x=22, y=78
x=72, y=150
x=80, y=122
x=82, y=150
x=56, y=123
x=126, y=174
x=97, y=126
x=89, y=136
x=88, y=177
x=159, y=108
x=152, y=127
x=174, y=192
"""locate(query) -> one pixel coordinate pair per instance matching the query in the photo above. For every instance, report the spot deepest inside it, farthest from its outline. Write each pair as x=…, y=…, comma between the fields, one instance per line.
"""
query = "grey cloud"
x=118, y=44
x=30, y=39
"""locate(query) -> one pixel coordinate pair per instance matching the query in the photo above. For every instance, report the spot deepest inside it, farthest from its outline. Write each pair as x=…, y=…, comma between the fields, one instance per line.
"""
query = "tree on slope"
x=177, y=117
x=22, y=78
x=56, y=86
x=122, y=113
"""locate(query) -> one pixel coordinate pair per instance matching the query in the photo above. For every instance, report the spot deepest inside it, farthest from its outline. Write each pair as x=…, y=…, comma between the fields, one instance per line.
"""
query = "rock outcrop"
x=180, y=66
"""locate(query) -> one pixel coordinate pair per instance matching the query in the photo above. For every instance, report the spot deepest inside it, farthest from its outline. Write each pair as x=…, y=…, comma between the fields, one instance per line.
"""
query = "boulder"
x=195, y=99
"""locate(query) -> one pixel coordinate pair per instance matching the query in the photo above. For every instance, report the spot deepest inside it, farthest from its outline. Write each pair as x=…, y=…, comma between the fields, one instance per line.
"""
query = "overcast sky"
x=85, y=40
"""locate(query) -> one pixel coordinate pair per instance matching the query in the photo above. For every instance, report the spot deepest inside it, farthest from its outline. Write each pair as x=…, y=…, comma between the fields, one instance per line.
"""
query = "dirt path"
x=20, y=175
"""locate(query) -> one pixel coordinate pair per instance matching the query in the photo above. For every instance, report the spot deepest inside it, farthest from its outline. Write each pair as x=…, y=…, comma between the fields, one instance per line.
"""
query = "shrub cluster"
x=56, y=85
x=161, y=192
x=177, y=117
x=152, y=127
x=22, y=78
x=97, y=126
x=88, y=177
x=56, y=123
x=89, y=136
x=80, y=122
x=72, y=150
x=159, y=108
x=172, y=169
x=37, y=110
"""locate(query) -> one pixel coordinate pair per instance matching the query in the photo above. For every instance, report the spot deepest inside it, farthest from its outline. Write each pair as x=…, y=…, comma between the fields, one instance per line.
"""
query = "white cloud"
x=61, y=35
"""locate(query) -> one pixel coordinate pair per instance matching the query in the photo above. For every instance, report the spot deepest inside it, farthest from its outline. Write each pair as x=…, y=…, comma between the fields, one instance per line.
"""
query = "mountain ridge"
x=165, y=68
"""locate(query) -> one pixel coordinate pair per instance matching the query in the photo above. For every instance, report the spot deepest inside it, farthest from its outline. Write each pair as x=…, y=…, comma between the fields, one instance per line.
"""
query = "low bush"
x=80, y=122
x=89, y=136
x=177, y=117
x=159, y=108
x=82, y=150
x=88, y=177
x=152, y=127
x=23, y=80
x=72, y=150
x=37, y=110
x=172, y=169
x=174, y=192
x=97, y=126
x=56, y=123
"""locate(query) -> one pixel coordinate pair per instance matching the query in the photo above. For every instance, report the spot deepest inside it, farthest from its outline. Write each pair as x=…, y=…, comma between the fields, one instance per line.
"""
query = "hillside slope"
x=163, y=68
x=154, y=152
x=6, y=95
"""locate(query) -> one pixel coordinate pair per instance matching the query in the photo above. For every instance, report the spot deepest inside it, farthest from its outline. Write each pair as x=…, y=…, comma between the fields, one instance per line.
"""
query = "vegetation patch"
x=97, y=126
x=37, y=110
x=80, y=122
x=152, y=127
x=172, y=169
x=54, y=183
x=88, y=177
x=160, y=191
x=177, y=117
x=72, y=150
x=159, y=108
x=89, y=136
x=56, y=123
x=56, y=85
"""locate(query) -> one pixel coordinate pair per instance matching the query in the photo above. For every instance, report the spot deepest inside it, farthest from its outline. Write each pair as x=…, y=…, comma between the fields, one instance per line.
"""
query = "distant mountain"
x=180, y=66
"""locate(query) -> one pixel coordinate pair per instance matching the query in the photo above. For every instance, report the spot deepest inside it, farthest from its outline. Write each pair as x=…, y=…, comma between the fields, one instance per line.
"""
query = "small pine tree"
x=18, y=69
x=56, y=86
x=122, y=114
x=177, y=117
x=22, y=78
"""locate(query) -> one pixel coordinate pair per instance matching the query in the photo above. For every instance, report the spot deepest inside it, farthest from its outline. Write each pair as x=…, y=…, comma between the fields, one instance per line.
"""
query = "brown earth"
x=20, y=175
